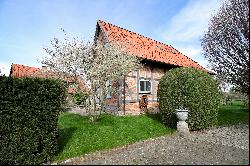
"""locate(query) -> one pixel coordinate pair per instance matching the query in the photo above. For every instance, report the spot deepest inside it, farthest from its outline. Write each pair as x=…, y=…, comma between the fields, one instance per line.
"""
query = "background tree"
x=97, y=62
x=226, y=43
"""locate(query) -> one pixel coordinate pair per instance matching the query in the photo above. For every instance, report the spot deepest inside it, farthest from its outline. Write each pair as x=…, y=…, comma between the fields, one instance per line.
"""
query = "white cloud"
x=192, y=21
x=189, y=51
x=5, y=69
x=195, y=54
x=186, y=28
x=204, y=63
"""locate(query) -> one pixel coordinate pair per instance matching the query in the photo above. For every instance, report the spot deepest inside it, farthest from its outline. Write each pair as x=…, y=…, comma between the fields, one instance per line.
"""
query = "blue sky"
x=26, y=26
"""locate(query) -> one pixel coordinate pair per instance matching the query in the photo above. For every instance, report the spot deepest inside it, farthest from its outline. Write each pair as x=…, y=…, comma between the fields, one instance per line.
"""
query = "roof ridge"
x=24, y=65
x=154, y=41
x=135, y=33
x=148, y=38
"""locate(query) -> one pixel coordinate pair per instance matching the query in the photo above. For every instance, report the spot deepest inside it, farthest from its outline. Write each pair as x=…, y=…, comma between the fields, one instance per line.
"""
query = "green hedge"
x=192, y=89
x=29, y=109
x=80, y=97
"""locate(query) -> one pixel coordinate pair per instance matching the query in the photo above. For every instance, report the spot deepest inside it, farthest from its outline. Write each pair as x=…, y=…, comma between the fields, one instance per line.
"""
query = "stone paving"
x=219, y=146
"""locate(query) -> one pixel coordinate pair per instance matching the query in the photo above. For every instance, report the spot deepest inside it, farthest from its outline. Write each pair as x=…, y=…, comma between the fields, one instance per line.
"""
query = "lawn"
x=78, y=136
x=234, y=113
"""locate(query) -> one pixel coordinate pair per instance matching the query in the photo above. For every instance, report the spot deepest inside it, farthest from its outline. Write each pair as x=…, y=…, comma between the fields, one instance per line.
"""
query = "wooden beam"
x=124, y=92
x=118, y=95
x=152, y=80
x=137, y=84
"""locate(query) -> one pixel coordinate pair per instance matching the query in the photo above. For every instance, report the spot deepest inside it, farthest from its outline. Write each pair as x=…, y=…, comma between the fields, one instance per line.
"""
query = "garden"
x=36, y=128
x=77, y=136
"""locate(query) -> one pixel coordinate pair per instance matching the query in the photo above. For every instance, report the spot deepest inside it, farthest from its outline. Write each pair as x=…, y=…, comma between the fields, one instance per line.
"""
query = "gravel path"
x=225, y=145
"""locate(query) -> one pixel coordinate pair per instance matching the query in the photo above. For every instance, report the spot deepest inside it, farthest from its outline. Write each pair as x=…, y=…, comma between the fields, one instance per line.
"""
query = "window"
x=145, y=86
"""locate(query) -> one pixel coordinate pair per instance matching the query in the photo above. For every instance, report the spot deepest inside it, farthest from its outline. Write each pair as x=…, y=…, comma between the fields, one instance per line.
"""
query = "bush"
x=192, y=89
x=80, y=97
x=29, y=109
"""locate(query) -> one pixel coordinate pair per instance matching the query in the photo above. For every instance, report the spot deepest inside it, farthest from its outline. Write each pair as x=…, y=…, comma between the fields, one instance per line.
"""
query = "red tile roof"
x=145, y=47
x=26, y=71
x=23, y=71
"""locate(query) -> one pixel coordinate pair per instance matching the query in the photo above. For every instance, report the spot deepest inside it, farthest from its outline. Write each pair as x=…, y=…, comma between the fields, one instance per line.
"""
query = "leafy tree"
x=97, y=62
x=226, y=43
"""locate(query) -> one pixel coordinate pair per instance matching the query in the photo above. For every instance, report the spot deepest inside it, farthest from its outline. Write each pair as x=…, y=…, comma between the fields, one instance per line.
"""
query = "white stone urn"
x=182, y=114
x=182, y=126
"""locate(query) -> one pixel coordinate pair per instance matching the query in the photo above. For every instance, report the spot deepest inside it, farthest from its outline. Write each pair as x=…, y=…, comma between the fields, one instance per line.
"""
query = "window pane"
x=142, y=87
x=148, y=85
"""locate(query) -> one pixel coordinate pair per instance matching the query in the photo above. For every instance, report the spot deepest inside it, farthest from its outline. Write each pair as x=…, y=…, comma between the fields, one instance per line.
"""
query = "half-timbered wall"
x=132, y=92
x=132, y=83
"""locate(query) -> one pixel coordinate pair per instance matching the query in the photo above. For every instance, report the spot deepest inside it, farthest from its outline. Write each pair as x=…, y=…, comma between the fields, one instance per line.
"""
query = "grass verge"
x=234, y=113
x=78, y=136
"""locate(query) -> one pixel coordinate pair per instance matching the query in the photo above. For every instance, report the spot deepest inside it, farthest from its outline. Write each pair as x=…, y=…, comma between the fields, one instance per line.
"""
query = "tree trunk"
x=89, y=104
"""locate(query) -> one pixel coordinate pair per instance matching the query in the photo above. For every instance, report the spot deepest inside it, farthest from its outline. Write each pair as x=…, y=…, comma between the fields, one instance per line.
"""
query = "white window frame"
x=145, y=92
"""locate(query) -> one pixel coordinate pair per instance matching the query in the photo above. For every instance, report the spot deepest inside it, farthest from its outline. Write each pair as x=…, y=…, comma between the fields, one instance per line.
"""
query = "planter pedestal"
x=182, y=126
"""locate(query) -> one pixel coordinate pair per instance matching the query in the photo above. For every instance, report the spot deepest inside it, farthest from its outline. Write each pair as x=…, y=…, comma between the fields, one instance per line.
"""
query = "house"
x=20, y=71
x=157, y=57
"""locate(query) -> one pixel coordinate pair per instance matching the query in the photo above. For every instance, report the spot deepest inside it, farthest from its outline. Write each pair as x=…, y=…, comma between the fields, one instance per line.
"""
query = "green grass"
x=234, y=113
x=78, y=136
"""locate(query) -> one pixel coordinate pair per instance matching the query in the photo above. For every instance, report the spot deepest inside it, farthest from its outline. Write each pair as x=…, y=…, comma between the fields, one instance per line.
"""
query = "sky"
x=27, y=26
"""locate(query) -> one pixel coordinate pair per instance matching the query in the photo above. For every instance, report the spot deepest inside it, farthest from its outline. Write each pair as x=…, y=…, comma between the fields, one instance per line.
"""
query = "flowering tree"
x=98, y=62
x=66, y=57
x=226, y=43
x=110, y=63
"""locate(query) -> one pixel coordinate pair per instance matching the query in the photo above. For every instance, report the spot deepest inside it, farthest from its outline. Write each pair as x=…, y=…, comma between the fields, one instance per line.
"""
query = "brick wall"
x=132, y=94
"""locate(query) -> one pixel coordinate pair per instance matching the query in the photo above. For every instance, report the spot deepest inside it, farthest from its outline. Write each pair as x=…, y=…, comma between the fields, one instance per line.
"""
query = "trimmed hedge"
x=80, y=97
x=192, y=89
x=29, y=109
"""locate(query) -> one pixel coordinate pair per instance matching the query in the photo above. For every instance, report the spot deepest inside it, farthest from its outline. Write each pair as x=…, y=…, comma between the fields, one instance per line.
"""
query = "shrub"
x=29, y=109
x=80, y=97
x=192, y=89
